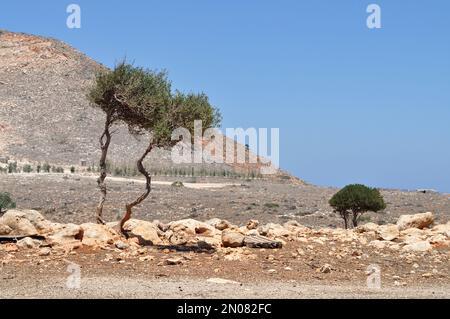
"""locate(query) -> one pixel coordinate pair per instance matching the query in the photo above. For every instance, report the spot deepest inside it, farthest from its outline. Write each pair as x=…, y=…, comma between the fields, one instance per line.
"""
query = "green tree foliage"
x=356, y=199
x=6, y=202
x=145, y=101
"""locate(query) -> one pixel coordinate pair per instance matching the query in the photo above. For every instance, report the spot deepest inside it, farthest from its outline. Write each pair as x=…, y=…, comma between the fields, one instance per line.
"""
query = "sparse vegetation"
x=12, y=167
x=6, y=202
x=46, y=167
x=177, y=184
x=27, y=168
x=271, y=205
x=355, y=200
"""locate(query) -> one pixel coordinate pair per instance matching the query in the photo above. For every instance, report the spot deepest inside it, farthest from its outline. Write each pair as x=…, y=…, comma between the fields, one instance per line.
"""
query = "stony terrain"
x=73, y=198
x=193, y=259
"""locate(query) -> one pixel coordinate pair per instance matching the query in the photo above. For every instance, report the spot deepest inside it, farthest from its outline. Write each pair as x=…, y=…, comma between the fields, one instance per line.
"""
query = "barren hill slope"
x=44, y=113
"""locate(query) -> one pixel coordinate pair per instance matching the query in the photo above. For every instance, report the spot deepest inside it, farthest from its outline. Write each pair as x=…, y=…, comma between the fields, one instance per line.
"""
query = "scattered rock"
x=378, y=244
x=388, y=232
x=174, y=261
x=420, y=246
x=45, y=251
x=5, y=230
x=65, y=234
x=146, y=232
x=415, y=221
x=24, y=223
x=272, y=230
x=28, y=243
x=369, y=227
x=121, y=245
x=325, y=269
x=232, y=239
x=257, y=241
x=252, y=224
x=96, y=234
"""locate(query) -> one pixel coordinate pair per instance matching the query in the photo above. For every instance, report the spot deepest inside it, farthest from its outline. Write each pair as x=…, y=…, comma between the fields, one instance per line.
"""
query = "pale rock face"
x=96, y=234
x=420, y=246
x=252, y=224
x=412, y=235
x=296, y=228
x=442, y=229
x=146, y=232
x=65, y=234
x=378, y=244
x=192, y=227
x=388, y=232
x=24, y=223
x=232, y=238
x=439, y=240
x=369, y=227
x=28, y=243
x=209, y=242
x=415, y=221
x=5, y=230
x=272, y=230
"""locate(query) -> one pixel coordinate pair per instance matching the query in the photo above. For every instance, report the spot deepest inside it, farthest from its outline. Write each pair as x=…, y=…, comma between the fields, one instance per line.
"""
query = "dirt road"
x=122, y=287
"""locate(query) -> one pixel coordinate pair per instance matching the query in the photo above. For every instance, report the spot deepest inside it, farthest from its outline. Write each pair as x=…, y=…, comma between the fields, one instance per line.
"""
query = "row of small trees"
x=12, y=168
x=144, y=101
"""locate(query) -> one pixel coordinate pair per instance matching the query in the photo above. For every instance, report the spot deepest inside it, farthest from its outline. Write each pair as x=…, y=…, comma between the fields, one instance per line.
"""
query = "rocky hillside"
x=44, y=112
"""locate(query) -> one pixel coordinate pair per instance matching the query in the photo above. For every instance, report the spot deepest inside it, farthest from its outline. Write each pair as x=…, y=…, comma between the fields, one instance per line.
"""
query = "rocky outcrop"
x=24, y=223
x=145, y=232
x=95, y=234
x=30, y=224
x=415, y=221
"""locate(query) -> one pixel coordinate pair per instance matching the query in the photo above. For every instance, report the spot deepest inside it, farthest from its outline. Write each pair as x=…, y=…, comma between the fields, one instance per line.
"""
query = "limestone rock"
x=415, y=221
x=272, y=230
x=388, y=232
x=28, y=243
x=420, y=246
x=24, y=223
x=5, y=230
x=96, y=234
x=232, y=238
x=369, y=227
x=252, y=224
x=192, y=227
x=146, y=232
x=65, y=234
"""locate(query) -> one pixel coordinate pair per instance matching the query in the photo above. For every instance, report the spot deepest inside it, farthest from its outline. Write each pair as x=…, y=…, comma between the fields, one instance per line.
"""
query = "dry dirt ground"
x=257, y=273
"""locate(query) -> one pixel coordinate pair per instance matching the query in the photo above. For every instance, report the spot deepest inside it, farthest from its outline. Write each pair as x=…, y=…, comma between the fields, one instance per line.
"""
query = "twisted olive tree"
x=143, y=99
x=159, y=118
x=105, y=94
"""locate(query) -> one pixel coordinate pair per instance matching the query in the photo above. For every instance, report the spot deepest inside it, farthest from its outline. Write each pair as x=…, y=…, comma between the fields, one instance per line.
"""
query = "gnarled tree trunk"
x=355, y=219
x=105, y=140
x=148, y=187
x=344, y=215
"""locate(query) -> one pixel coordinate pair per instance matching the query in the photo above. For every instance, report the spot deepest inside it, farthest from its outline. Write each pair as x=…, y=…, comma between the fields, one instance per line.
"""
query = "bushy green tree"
x=144, y=100
x=6, y=202
x=355, y=200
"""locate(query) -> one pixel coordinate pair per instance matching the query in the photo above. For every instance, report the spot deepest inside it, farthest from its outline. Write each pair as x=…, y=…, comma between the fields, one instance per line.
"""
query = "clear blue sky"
x=352, y=104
